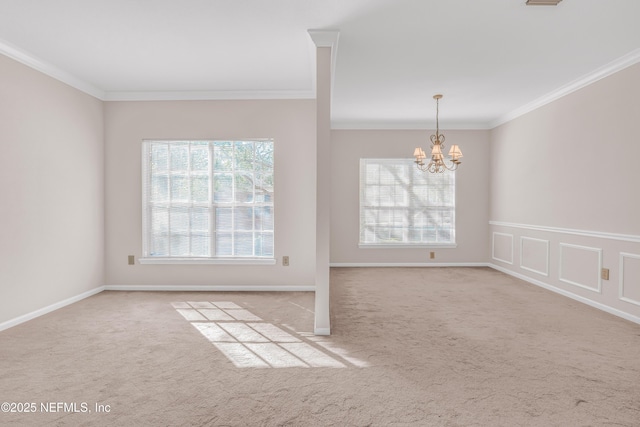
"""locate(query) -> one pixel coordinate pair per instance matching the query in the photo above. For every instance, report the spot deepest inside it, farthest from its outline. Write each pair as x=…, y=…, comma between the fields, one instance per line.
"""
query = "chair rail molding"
x=586, y=233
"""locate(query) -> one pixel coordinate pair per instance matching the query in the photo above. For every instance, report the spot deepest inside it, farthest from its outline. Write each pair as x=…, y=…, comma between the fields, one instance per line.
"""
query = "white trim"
x=152, y=288
x=220, y=261
x=407, y=246
x=621, y=296
x=206, y=95
x=407, y=264
x=573, y=296
x=619, y=64
x=322, y=331
x=145, y=159
x=329, y=39
x=399, y=125
x=211, y=288
x=50, y=70
x=325, y=38
x=585, y=233
x=493, y=247
x=48, y=309
x=584, y=248
x=544, y=273
x=321, y=38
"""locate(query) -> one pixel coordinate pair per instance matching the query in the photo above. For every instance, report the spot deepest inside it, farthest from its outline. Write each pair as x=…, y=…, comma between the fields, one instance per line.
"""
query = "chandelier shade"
x=437, y=163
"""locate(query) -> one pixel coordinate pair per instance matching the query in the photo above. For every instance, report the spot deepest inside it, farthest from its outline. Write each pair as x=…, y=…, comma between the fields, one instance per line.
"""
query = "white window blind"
x=400, y=205
x=208, y=199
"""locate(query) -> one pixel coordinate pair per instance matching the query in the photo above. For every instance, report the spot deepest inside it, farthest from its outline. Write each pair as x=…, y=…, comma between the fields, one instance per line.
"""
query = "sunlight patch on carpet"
x=250, y=342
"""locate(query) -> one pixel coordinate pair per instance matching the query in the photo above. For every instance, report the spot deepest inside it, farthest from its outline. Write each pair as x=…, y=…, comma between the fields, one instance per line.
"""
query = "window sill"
x=406, y=246
x=218, y=261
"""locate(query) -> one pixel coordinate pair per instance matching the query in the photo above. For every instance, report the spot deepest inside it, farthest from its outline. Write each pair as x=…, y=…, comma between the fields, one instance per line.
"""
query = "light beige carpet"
x=410, y=347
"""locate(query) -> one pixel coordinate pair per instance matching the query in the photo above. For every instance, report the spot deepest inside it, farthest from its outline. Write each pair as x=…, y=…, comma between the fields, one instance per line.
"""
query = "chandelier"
x=437, y=163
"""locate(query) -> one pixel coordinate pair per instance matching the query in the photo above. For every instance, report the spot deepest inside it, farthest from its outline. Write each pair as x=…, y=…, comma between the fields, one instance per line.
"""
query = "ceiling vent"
x=543, y=2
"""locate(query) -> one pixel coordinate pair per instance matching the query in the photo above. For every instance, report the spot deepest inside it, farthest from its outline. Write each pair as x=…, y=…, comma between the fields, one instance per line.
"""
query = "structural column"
x=326, y=44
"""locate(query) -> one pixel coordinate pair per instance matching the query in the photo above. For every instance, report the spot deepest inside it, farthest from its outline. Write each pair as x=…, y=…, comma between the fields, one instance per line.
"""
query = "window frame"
x=416, y=174
x=211, y=205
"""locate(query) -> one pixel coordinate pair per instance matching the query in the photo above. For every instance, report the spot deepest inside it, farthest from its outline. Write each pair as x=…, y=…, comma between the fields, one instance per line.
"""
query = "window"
x=207, y=201
x=399, y=205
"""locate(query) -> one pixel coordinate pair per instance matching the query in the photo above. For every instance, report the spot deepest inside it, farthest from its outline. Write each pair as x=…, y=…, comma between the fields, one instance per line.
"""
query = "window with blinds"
x=208, y=199
x=402, y=206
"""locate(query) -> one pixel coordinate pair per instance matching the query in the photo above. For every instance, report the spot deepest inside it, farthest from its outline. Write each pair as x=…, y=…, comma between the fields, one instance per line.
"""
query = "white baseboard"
x=322, y=331
x=408, y=264
x=571, y=295
x=48, y=309
x=318, y=331
x=210, y=288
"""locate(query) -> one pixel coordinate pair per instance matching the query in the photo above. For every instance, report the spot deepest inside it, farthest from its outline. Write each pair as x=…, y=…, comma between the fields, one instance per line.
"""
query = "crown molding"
x=206, y=95
x=619, y=64
x=325, y=38
x=398, y=125
x=321, y=38
x=17, y=54
x=52, y=71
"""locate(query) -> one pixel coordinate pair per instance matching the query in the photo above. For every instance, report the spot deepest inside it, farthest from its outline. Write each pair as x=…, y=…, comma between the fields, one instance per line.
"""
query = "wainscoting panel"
x=580, y=266
x=630, y=278
x=502, y=247
x=534, y=255
x=570, y=262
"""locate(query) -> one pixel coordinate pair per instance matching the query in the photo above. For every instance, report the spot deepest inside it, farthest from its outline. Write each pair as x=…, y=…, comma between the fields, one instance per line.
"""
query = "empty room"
x=319, y=212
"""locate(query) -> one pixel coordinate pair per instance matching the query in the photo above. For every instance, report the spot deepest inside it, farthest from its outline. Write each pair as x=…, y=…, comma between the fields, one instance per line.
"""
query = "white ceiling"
x=490, y=58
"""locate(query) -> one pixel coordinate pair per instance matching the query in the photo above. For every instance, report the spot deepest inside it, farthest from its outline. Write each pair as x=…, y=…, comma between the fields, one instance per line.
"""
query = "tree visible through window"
x=400, y=205
x=208, y=199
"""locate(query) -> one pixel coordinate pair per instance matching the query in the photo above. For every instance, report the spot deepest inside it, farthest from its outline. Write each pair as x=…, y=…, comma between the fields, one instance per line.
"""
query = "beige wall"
x=51, y=187
x=292, y=125
x=564, y=194
x=573, y=162
x=550, y=196
x=472, y=188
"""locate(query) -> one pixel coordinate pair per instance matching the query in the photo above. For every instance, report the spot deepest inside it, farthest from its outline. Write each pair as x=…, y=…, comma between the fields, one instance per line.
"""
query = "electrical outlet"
x=604, y=274
x=132, y=259
x=432, y=255
x=285, y=261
